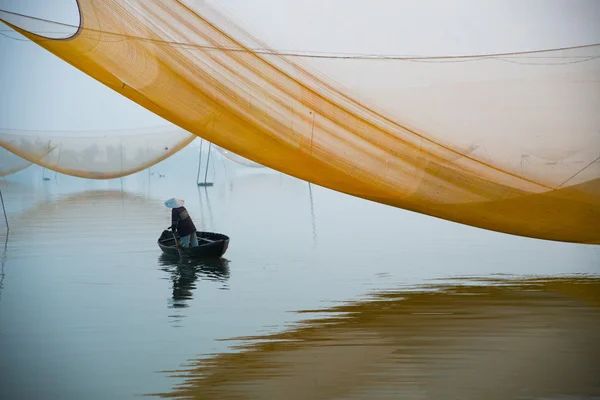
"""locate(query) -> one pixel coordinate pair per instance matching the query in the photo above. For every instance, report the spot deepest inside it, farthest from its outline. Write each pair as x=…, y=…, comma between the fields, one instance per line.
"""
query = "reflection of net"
x=237, y=159
x=11, y=163
x=110, y=155
x=505, y=142
x=436, y=342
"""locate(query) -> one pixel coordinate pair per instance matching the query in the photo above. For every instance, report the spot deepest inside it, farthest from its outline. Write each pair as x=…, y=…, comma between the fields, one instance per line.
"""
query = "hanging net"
x=507, y=142
x=237, y=159
x=11, y=163
x=99, y=155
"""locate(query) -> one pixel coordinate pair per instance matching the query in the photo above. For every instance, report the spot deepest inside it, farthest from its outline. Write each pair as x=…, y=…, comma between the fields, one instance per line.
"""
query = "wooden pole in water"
x=199, y=162
x=205, y=183
x=312, y=215
x=207, y=161
x=5, y=217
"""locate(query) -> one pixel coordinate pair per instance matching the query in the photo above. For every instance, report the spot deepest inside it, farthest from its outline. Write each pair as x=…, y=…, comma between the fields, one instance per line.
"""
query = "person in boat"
x=182, y=223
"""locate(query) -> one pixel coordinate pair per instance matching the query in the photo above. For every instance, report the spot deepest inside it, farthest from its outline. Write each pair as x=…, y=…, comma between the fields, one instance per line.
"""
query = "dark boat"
x=210, y=245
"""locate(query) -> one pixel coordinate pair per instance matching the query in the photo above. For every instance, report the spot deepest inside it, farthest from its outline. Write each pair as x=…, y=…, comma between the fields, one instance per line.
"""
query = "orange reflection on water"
x=497, y=340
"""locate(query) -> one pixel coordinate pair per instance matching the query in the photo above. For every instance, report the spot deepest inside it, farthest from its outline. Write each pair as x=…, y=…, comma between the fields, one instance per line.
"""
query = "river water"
x=90, y=309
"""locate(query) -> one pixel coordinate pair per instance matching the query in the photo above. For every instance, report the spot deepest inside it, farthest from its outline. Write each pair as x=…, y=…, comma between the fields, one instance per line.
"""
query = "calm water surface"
x=89, y=308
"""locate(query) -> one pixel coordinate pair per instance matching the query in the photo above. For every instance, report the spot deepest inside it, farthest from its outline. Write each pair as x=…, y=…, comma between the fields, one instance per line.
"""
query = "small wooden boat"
x=210, y=245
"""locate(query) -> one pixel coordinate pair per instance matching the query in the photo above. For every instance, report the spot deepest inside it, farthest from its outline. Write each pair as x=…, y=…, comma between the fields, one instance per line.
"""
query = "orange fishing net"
x=11, y=163
x=91, y=154
x=237, y=159
x=507, y=142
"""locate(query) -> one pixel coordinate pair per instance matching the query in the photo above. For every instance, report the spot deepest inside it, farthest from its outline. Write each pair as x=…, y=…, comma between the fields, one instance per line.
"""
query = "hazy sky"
x=39, y=91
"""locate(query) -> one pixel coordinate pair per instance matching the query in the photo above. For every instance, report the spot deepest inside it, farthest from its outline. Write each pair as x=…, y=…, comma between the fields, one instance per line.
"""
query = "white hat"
x=174, y=203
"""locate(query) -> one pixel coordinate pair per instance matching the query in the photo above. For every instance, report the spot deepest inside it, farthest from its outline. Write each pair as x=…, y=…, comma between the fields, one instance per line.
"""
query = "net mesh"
x=11, y=163
x=237, y=159
x=96, y=155
x=507, y=142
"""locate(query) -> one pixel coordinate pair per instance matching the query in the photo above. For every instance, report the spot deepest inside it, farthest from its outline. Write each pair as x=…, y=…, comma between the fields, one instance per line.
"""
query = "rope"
x=315, y=54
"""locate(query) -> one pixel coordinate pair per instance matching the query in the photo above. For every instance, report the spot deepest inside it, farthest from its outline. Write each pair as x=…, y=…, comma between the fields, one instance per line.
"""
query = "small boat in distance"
x=210, y=245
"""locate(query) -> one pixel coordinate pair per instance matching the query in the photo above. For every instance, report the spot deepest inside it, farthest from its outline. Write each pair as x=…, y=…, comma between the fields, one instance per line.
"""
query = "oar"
x=179, y=250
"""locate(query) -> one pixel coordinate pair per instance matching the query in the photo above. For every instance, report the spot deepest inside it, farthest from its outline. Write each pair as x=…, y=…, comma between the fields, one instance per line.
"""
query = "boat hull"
x=210, y=245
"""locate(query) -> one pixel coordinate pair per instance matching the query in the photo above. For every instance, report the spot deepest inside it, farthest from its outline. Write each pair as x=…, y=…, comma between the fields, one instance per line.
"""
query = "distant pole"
x=205, y=183
x=199, y=161
x=5, y=217
x=312, y=214
x=207, y=161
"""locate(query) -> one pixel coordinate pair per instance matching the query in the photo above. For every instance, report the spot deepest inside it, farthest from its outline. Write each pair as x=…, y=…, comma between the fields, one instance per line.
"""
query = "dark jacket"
x=182, y=222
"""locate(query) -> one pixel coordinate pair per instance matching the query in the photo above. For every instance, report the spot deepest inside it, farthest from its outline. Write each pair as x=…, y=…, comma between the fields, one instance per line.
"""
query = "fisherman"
x=182, y=223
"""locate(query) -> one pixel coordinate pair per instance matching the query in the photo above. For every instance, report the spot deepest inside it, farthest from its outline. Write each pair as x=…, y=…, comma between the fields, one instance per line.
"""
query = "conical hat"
x=174, y=203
